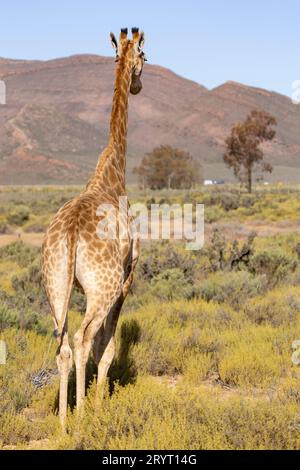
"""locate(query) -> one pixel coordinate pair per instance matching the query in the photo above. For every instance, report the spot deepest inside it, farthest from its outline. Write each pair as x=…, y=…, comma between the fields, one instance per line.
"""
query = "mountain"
x=55, y=122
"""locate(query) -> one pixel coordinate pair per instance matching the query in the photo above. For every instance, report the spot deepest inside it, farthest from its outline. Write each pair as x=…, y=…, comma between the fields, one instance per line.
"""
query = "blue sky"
x=212, y=41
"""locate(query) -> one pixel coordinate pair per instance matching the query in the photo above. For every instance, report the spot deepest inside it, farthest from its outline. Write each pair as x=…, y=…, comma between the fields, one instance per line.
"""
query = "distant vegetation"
x=168, y=167
x=204, y=340
x=243, y=147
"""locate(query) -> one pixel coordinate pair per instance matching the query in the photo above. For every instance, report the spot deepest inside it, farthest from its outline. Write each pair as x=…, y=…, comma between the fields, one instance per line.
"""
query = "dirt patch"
x=34, y=239
x=241, y=230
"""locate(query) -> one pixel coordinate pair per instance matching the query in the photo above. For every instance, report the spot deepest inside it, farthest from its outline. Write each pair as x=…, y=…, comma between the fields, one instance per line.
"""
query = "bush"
x=294, y=277
x=229, y=201
x=170, y=332
x=278, y=307
x=198, y=368
x=160, y=257
x=248, y=200
x=8, y=318
x=248, y=358
x=275, y=263
x=19, y=215
x=27, y=353
x=229, y=256
x=4, y=228
x=18, y=252
x=290, y=390
x=35, y=227
x=29, y=290
x=170, y=284
x=24, y=320
x=16, y=429
x=213, y=214
x=231, y=287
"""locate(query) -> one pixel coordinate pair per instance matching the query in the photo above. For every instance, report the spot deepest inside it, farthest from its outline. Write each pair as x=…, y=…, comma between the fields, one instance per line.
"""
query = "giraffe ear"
x=142, y=40
x=114, y=42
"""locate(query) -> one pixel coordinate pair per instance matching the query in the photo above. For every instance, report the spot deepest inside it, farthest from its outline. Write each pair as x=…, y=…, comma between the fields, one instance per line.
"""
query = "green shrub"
x=22, y=254
x=27, y=353
x=294, y=277
x=233, y=288
x=170, y=284
x=24, y=320
x=16, y=429
x=248, y=200
x=278, y=307
x=213, y=214
x=198, y=368
x=35, y=227
x=229, y=201
x=19, y=215
x=8, y=318
x=170, y=332
x=248, y=357
x=275, y=263
x=163, y=256
x=29, y=290
x=4, y=228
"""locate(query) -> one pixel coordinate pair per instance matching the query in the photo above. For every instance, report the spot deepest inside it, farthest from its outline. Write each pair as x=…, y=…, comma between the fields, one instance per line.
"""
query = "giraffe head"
x=132, y=51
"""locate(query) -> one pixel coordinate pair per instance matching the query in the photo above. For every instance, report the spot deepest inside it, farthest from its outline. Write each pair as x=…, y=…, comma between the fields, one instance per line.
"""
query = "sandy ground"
x=34, y=239
x=241, y=230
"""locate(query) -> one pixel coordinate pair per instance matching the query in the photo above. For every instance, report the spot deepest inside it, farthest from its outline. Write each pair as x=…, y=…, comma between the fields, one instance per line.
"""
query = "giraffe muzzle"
x=136, y=86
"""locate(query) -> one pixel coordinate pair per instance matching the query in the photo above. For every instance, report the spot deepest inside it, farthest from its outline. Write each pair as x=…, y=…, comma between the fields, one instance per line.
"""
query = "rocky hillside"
x=56, y=119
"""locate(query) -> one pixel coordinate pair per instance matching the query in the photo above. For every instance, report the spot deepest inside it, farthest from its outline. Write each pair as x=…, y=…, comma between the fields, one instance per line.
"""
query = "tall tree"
x=168, y=167
x=243, y=147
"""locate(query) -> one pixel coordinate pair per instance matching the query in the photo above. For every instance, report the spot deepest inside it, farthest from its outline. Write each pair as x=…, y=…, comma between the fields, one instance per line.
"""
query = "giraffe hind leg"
x=59, y=286
x=64, y=356
x=64, y=359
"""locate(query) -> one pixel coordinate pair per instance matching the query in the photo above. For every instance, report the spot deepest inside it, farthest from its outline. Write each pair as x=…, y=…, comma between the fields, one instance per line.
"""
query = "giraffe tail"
x=72, y=237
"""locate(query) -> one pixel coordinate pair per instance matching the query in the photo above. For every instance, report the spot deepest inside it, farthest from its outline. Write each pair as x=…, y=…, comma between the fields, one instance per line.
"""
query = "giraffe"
x=73, y=252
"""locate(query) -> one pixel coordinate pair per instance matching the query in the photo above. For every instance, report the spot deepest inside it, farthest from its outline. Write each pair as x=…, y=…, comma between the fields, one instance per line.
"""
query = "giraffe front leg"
x=104, y=348
x=64, y=363
x=83, y=341
x=105, y=363
x=104, y=344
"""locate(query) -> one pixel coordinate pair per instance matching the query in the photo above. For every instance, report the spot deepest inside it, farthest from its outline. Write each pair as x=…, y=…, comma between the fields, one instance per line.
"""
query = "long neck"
x=119, y=113
x=112, y=165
